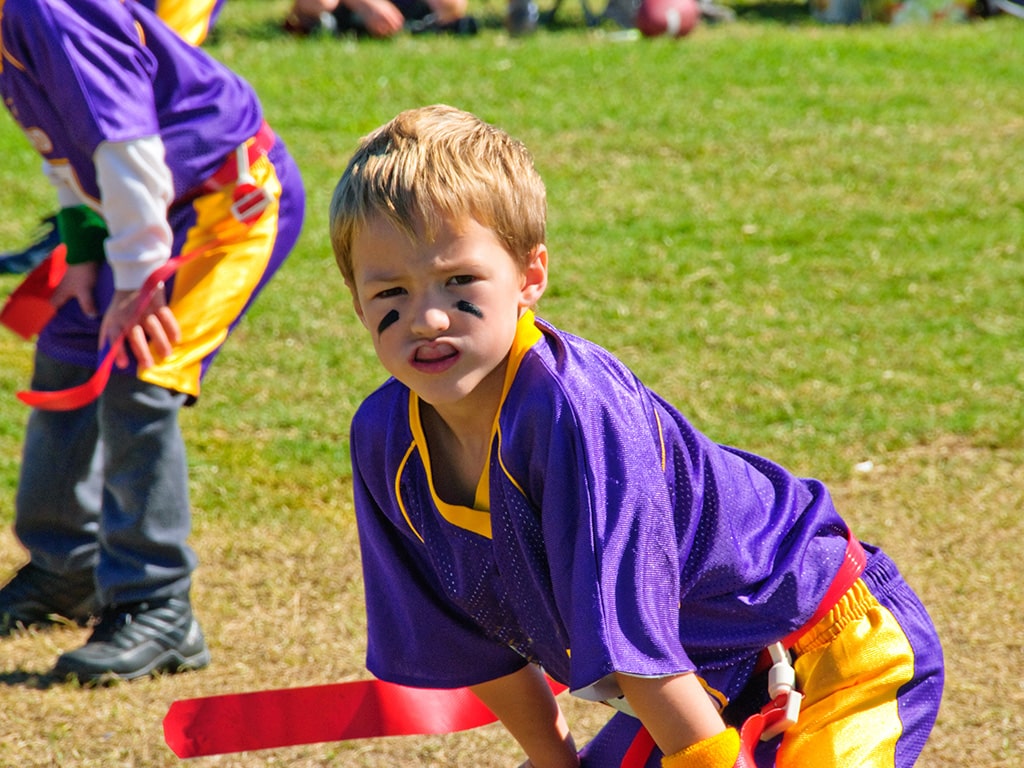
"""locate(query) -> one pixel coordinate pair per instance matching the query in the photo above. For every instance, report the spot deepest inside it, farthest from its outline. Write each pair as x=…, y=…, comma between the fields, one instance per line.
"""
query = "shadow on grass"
x=21, y=678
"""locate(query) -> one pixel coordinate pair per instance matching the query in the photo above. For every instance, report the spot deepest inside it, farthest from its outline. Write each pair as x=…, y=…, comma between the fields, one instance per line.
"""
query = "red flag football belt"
x=28, y=308
x=228, y=173
x=854, y=561
x=783, y=709
x=216, y=725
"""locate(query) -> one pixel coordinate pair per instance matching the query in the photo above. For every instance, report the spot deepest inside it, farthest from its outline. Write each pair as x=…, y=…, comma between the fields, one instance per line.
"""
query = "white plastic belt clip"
x=250, y=201
x=782, y=691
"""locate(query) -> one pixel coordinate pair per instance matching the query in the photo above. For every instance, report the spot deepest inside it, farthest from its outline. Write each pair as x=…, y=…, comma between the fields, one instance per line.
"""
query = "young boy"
x=155, y=150
x=525, y=503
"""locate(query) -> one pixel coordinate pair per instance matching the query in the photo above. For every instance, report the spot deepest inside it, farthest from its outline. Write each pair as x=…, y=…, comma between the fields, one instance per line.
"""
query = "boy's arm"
x=682, y=721
x=527, y=708
x=137, y=189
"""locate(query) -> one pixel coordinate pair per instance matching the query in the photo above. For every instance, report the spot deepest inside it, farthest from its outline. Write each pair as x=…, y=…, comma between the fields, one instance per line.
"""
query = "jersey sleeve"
x=586, y=443
x=661, y=552
x=90, y=65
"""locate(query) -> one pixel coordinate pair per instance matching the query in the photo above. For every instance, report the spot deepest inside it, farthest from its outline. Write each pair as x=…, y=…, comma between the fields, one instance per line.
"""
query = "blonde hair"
x=436, y=164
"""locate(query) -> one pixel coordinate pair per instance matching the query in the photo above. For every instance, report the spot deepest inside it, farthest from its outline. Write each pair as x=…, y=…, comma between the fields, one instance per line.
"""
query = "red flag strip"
x=639, y=750
x=242, y=722
x=361, y=709
x=28, y=308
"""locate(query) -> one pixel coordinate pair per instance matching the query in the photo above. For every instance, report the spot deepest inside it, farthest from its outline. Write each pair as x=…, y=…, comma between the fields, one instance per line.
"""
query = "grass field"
x=809, y=238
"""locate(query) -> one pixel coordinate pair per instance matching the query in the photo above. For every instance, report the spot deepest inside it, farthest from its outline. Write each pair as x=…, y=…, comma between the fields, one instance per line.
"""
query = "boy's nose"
x=430, y=319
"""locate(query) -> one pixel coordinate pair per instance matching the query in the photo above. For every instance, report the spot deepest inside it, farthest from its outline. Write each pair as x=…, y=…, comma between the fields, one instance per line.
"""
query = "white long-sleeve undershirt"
x=136, y=190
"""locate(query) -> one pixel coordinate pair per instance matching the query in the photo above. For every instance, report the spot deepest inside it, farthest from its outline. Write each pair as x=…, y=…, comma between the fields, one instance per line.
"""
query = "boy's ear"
x=535, y=277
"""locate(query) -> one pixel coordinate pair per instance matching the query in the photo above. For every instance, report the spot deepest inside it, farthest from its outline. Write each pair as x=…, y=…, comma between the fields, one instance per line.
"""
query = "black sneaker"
x=523, y=17
x=136, y=640
x=38, y=598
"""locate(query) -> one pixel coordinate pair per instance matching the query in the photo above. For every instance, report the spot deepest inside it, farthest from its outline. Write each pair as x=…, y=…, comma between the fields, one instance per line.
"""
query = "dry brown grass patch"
x=282, y=608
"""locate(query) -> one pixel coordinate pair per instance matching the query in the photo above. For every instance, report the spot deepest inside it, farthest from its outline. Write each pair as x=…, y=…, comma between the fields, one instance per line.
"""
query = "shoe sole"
x=169, y=662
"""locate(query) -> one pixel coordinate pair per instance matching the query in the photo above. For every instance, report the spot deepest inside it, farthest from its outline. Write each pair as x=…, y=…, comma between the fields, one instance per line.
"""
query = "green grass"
x=807, y=237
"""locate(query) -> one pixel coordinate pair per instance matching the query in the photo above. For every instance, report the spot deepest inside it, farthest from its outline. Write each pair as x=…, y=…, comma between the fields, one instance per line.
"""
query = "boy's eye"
x=388, y=293
x=461, y=280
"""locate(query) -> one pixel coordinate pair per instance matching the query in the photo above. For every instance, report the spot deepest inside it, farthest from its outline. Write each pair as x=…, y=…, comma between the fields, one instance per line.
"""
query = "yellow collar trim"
x=477, y=518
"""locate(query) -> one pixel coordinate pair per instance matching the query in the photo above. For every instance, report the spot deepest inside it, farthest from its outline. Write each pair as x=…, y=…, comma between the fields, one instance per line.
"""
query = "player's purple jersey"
x=76, y=74
x=610, y=535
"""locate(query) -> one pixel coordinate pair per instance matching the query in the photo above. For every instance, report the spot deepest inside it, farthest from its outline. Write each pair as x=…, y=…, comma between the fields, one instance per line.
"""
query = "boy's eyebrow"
x=372, y=274
x=379, y=276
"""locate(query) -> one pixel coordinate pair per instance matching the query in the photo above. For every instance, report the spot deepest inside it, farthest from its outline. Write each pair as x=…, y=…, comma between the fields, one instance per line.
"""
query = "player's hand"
x=78, y=283
x=156, y=330
x=382, y=18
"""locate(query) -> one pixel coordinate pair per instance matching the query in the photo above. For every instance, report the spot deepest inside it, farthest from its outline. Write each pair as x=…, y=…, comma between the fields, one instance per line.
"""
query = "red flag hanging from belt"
x=243, y=722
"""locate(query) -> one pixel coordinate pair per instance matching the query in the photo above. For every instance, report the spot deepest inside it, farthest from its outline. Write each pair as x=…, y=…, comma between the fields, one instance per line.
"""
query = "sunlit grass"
x=807, y=237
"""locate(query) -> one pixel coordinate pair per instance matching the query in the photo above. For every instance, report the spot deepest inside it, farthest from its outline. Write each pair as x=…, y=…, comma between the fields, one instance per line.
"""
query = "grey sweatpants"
x=106, y=487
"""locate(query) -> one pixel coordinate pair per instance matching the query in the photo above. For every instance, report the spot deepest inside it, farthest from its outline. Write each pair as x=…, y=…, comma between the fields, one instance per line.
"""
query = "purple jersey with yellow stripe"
x=78, y=74
x=609, y=535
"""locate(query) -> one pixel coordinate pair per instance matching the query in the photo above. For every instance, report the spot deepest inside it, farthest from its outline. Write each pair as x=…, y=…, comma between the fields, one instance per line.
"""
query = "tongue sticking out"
x=431, y=354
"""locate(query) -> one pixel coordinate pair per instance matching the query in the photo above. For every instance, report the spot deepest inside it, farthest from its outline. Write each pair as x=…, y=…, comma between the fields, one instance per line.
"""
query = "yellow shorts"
x=871, y=674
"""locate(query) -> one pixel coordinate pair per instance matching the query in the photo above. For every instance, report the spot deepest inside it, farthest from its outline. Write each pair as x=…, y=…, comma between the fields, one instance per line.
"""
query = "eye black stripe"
x=389, y=319
x=469, y=308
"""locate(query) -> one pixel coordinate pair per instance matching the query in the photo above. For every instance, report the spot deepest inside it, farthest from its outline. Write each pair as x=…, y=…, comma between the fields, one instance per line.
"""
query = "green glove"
x=83, y=231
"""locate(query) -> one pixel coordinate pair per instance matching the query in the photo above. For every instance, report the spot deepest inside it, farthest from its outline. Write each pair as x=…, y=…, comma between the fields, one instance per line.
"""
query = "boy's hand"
x=156, y=326
x=381, y=17
x=78, y=283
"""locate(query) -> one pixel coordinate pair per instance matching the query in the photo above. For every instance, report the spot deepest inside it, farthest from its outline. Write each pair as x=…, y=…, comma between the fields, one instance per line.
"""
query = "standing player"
x=154, y=149
x=525, y=503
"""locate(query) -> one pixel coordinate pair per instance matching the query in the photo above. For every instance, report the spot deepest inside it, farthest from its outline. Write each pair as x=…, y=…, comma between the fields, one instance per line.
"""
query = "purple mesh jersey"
x=616, y=537
x=163, y=86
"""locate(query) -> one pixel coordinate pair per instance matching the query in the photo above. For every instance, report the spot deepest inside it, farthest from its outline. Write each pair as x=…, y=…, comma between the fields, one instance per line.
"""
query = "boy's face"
x=443, y=314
